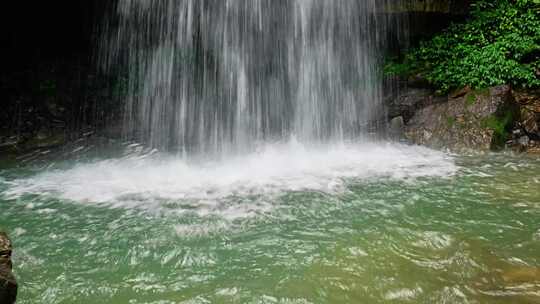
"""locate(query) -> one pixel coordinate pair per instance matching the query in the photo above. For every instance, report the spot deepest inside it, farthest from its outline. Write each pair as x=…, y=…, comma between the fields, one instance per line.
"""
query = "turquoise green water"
x=469, y=237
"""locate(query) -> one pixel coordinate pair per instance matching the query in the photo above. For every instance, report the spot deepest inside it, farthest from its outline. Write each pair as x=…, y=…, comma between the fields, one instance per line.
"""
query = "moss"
x=451, y=121
x=484, y=92
x=470, y=99
x=497, y=124
x=501, y=125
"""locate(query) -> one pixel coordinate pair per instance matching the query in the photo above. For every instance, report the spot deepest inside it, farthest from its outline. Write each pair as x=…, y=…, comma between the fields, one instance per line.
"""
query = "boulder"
x=8, y=284
x=521, y=275
x=408, y=100
x=476, y=120
x=526, y=135
x=5, y=250
x=529, y=103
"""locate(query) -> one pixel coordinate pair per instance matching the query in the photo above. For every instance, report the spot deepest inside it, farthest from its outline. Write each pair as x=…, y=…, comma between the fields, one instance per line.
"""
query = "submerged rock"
x=521, y=275
x=476, y=120
x=8, y=284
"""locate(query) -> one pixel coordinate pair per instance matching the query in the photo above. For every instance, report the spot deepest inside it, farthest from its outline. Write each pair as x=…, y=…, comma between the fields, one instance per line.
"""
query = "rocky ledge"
x=8, y=284
x=468, y=120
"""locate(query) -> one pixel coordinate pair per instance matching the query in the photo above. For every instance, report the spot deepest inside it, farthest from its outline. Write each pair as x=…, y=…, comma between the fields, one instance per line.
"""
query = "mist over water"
x=216, y=77
x=153, y=181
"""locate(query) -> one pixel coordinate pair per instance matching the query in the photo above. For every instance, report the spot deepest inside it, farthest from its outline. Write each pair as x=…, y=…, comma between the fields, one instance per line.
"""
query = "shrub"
x=499, y=44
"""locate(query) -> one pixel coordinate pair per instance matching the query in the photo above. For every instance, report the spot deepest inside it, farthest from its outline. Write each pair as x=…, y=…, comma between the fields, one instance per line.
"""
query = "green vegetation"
x=500, y=125
x=451, y=121
x=471, y=99
x=499, y=44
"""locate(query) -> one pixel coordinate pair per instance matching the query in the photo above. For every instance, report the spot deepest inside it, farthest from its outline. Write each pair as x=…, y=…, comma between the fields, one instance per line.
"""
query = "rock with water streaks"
x=8, y=284
x=396, y=128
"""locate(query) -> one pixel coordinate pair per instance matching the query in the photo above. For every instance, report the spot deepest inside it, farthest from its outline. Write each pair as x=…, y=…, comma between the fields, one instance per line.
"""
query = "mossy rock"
x=501, y=124
x=478, y=120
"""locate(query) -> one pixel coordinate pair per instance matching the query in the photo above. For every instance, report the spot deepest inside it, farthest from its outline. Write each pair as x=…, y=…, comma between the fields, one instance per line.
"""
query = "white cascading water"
x=241, y=98
x=215, y=77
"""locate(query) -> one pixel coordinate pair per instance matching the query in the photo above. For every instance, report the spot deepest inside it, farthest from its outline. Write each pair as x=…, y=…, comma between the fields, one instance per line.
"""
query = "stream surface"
x=371, y=223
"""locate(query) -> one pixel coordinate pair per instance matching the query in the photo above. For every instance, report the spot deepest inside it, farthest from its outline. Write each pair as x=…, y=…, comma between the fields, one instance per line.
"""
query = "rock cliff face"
x=479, y=120
x=466, y=120
x=526, y=135
x=8, y=284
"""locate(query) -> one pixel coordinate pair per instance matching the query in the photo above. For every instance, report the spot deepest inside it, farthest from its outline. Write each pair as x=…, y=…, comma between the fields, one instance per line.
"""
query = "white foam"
x=147, y=182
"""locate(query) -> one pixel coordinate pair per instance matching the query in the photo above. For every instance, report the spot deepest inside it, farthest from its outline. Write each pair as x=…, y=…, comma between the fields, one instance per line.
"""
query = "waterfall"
x=222, y=76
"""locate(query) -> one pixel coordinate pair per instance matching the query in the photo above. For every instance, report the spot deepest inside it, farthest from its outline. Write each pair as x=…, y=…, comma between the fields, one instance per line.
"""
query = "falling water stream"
x=249, y=173
x=217, y=77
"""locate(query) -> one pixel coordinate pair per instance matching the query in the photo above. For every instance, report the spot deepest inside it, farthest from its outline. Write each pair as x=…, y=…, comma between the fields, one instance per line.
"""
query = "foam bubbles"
x=218, y=187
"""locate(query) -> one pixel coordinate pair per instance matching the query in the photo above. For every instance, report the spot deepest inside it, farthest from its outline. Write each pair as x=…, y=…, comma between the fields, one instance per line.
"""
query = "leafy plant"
x=499, y=44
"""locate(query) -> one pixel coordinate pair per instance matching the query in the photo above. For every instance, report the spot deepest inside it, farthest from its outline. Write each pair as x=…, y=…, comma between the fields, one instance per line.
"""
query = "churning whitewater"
x=220, y=88
x=154, y=182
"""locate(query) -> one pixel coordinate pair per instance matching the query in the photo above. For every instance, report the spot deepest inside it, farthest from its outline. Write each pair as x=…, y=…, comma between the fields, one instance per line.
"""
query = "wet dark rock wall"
x=38, y=31
x=427, y=17
x=48, y=84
